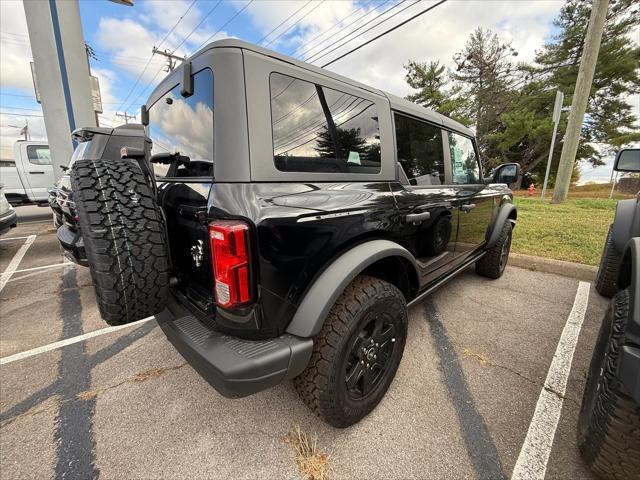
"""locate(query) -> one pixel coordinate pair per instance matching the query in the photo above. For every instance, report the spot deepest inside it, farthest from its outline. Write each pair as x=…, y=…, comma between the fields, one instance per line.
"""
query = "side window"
x=39, y=154
x=318, y=129
x=420, y=151
x=185, y=125
x=464, y=162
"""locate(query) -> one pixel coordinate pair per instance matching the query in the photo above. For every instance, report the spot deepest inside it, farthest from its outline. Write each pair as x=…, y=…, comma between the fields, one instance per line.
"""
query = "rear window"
x=318, y=129
x=185, y=125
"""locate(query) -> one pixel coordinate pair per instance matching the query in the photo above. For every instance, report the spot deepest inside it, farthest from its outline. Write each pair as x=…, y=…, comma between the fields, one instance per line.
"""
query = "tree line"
x=510, y=103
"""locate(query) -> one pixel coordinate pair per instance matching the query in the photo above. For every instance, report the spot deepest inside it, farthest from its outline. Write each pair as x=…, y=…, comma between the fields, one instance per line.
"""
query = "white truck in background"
x=27, y=176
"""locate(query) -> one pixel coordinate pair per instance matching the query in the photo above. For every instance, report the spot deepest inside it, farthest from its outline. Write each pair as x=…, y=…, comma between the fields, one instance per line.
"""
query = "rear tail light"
x=229, y=240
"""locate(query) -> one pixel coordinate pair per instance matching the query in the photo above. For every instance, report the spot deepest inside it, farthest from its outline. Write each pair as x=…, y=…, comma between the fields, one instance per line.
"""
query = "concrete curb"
x=549, y=265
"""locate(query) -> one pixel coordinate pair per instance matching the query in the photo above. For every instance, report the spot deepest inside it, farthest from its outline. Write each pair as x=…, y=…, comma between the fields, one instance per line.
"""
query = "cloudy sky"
x=123, y=37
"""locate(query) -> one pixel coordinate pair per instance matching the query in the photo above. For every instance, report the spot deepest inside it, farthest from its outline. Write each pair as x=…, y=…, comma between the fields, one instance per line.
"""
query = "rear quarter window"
x=319, y=129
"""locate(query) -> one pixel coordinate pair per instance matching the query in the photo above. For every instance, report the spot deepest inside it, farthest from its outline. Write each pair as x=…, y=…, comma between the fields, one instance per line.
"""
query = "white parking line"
x=54, y=265
x=15, y=261
x=68, y=341
x=12, y=238
x=534, y=455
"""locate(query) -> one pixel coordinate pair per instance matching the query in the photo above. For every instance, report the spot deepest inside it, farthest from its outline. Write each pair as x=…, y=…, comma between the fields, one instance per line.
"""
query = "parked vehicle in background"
x=609, y=420
x=287, y=241
x=29, y=174
x=625, y=226
x=8, y=218
x=108, y=142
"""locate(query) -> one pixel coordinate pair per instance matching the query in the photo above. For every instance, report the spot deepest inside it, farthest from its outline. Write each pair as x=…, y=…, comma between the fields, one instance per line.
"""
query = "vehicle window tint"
x=318, y=129
x=185, y=125
x=464, y=161
x=39, y=154
x=420, y=151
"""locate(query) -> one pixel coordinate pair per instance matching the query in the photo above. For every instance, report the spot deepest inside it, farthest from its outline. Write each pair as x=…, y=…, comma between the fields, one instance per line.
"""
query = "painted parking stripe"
x=534, y=455
x=69, y=341
x=12, y=238
x=15, y=261
x=54, y=265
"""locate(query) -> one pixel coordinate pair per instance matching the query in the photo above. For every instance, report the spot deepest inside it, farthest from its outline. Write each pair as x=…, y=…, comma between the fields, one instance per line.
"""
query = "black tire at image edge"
x=607, y=276
x=609, y=419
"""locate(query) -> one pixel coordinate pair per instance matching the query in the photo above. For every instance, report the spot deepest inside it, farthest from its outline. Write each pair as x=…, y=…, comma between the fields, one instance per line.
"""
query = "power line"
x=205, y=42
x=151, y=57
x=16, y=95
x=324, y=53
x=20, y=114
x=339, y=22
x=282, y=23
x=198, y=25
x=386, y=32
x=22, y=108
x=294, y=24
x=225, y=24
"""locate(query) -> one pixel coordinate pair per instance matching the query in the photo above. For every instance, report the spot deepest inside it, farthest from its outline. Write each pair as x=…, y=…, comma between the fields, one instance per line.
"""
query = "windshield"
x=185, y=125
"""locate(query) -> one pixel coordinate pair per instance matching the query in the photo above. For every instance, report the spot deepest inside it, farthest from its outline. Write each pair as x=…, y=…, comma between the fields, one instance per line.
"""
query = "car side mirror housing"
x=506, y=173
x=627, y=160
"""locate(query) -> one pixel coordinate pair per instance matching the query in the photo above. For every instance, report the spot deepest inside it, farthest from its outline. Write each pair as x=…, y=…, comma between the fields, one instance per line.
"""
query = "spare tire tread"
x=124, y=238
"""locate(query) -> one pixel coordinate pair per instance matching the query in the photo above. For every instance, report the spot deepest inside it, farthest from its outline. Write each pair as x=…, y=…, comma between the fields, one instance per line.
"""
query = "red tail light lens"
x=229, y=240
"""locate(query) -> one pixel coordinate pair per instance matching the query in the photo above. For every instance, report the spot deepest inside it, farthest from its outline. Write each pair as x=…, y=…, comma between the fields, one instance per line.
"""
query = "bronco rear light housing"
x=230, y=256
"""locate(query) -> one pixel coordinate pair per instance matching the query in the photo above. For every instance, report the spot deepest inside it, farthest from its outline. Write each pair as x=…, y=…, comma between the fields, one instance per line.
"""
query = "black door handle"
x=416, y=218
x=468, y=207
x=36, y=173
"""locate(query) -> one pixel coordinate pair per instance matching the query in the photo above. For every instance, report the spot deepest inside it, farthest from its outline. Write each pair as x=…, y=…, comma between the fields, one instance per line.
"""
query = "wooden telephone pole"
x=171, y=58
x=580, y=99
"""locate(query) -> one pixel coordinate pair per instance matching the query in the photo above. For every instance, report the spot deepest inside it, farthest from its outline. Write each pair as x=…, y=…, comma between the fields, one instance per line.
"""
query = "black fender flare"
x=506, y=211
x=326, y=289
x=624, y=223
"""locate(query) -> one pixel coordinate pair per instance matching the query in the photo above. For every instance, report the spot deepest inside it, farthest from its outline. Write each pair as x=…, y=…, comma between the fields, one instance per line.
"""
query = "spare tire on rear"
x=124, y=238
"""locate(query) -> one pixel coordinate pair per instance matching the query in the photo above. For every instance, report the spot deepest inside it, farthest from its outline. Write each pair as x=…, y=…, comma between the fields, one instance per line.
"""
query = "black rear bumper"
x=72, y=245
x=8, y=221
x=234, y=367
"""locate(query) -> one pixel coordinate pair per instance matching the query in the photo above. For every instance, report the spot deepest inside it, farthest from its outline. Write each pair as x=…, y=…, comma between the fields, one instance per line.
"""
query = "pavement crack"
x=87, y=395
x=483, y=360
x=137, y=378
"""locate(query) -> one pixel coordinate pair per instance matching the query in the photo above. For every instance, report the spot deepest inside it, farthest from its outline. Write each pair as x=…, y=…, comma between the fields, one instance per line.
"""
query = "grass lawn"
x=574, y=231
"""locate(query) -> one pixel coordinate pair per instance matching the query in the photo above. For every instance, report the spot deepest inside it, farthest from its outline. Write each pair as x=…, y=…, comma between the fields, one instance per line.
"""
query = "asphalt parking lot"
x=123, y=404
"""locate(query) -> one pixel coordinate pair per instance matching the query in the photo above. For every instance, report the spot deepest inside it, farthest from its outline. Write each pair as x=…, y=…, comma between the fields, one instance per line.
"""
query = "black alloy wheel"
x=370, y=356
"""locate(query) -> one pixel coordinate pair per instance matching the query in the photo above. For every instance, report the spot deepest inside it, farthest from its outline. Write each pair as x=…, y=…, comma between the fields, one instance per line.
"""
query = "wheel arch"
x=382, y=259
x=625, y=226
x=507, y=213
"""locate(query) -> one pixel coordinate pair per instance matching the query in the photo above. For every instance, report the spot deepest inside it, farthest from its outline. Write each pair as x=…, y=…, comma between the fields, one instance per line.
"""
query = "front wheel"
x=494, y=262
x=356, y=354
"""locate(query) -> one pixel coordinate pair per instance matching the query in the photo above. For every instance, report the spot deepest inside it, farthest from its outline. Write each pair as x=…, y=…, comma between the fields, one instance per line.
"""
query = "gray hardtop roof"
x=397, y=103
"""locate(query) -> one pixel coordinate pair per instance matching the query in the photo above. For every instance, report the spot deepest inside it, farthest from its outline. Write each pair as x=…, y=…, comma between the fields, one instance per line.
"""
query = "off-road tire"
x=124, y=238
x=609, y=419
x=607, y=277
x=491, y=265
x=322, y=385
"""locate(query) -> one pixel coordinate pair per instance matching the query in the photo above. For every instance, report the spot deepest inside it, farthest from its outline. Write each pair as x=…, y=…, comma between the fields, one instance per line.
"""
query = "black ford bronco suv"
x=278, y=220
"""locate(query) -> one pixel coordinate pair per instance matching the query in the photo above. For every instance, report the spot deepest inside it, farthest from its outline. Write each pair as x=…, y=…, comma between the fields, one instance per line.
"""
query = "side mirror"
x=627, y=160
x=506, y=173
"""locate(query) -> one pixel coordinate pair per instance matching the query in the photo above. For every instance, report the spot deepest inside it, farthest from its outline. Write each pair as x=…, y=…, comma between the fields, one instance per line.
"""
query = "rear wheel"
x=607, y=277
x=609, y=420
x=124, y=239
x=494, y=262
x=357, y=352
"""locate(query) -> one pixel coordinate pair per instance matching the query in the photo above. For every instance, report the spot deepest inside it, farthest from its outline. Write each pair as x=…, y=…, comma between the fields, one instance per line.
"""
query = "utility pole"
x=125, y=116
x=171, y=58
x=580, y=98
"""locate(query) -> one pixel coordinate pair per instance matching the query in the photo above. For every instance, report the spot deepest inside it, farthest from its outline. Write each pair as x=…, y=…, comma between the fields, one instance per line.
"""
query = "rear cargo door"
x=184, y=125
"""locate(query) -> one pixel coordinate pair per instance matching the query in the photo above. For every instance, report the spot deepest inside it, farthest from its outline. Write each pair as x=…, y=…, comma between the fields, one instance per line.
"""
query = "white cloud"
x=15, y=52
